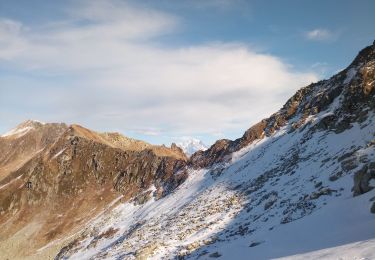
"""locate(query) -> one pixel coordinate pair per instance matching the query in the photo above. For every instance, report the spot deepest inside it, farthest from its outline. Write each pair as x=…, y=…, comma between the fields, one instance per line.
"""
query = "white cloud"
x=120, y=78
x=11, y=43
x=319, y=35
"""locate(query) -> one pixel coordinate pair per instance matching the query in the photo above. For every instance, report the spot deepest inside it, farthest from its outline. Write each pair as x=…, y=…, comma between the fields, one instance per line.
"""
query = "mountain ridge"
x=62, y=171
x=243, y=198
x=267, y=126
x=234, y=199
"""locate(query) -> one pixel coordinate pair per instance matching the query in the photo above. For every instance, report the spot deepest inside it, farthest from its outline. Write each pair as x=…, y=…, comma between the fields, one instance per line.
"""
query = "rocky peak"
x=23, y=128
x=176, y=148
x=32, y=126
x=365, y=55
x=26, y=140
x=32, y=123
x=215, y=154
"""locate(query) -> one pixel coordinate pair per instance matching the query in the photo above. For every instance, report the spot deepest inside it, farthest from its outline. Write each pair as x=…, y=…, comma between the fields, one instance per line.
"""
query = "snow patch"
x=59, y=153
x=350, y=75
x=18, y=131
x=13, y=180
x=23, y=128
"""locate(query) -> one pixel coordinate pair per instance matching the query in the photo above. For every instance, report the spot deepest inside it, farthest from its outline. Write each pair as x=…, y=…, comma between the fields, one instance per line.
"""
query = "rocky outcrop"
x=216, y=153
x=362, y=179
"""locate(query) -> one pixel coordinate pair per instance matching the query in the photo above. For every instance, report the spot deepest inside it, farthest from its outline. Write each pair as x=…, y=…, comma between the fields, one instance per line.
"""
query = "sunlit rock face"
x=58, y=177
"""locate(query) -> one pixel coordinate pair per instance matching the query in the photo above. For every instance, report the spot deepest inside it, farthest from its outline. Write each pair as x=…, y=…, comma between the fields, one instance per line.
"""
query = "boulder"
x=362, y=180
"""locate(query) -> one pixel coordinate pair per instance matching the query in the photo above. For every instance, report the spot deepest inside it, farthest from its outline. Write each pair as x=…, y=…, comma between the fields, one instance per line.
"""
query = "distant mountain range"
x=298, y=184
x=192, y=145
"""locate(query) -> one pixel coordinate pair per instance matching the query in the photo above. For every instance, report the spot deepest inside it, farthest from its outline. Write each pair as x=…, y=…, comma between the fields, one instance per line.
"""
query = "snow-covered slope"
x=191, y=145
x=287, y=194
x=288, y=207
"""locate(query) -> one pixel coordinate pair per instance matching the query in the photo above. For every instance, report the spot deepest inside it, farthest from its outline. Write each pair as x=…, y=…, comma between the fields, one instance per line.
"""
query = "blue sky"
x=165, y=70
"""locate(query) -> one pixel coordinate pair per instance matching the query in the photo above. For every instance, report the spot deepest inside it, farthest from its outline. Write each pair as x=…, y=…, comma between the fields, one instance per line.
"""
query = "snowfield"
x=286, y=196
x=363, y=250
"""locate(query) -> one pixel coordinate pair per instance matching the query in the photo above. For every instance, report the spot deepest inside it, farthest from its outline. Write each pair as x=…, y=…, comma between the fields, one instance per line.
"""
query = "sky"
x=167, y=70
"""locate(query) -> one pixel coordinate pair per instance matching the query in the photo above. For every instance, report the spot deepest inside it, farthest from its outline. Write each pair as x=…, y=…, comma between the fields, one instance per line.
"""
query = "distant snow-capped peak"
x=191, y=145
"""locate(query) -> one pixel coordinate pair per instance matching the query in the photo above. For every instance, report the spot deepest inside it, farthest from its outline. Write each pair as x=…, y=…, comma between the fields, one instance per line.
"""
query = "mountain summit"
x=298, y=184
x=23, y=128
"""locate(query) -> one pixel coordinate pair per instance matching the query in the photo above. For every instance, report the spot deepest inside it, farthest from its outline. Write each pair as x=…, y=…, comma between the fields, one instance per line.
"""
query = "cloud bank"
x=105, y=66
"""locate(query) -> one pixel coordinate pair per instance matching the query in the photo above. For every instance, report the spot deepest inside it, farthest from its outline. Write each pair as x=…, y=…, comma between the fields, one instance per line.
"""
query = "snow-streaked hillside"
x=298, y=184
x=286, y=194
x=191, y=145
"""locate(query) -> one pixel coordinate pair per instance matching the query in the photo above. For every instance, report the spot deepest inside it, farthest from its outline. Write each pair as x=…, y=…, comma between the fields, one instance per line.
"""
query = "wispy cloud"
x=319, y=35
x=11, y=43
x=218, y=4
x=106, y=55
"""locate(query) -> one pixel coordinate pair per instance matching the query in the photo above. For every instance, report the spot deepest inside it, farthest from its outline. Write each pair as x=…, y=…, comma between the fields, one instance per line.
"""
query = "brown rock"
x=78, y=173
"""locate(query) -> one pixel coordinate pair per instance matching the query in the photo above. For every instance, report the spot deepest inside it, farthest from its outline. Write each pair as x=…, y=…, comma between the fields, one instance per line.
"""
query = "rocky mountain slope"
x=54, y=178
x=24, y=142
x=294, y=183
x=298, y=184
